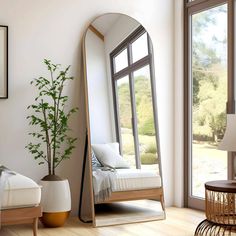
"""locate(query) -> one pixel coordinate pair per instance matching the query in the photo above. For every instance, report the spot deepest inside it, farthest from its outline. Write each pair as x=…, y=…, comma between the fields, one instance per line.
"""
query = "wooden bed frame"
x=154, y=194
x=27, y=215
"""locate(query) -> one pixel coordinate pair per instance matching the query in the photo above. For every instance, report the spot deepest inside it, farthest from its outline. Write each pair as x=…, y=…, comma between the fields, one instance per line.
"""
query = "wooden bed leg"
x=35, y=226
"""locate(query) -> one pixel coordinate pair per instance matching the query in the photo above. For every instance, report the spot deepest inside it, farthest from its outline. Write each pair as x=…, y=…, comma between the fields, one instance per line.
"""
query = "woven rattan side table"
x=220, y=197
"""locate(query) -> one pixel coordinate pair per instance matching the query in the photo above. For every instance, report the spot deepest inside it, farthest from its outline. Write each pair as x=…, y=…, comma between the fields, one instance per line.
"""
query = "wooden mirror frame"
x=86, y=206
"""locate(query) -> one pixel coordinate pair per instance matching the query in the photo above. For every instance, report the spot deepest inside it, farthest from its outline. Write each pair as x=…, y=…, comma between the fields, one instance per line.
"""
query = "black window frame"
x=128, y=71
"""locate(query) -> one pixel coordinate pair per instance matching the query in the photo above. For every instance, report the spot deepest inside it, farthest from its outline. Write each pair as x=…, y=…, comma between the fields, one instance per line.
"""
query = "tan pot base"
x=54, y=219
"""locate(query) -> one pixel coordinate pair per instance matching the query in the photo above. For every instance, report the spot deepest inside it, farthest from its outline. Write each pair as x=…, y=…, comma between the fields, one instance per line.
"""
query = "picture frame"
x=3, y=62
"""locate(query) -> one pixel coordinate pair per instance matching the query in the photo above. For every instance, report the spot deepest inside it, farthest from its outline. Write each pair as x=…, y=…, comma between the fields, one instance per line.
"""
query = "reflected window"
x=140, y=48
x=125, y=119
x=121, y=61
x=134, y=93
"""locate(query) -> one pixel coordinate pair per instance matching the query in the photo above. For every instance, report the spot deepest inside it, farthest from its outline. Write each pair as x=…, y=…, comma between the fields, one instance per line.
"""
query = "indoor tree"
x=51, y=140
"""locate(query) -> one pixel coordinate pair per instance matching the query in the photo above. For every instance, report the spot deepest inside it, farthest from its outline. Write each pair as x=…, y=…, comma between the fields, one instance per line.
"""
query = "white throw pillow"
x=115, y=147
x=108, y=157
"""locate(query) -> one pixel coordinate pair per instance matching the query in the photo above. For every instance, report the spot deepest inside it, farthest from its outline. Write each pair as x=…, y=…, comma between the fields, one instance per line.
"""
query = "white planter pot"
x=56, y=202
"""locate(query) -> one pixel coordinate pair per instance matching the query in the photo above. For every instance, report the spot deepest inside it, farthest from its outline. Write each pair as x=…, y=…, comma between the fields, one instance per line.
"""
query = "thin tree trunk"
x=47, y=141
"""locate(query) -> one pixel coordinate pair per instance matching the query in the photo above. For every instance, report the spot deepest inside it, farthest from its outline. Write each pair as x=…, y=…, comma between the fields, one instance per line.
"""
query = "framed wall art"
x=3, y=62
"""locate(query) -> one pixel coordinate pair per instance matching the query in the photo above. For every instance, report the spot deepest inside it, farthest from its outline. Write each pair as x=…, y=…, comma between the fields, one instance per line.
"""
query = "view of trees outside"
x=209, y=96
x=125, y=115
x=145, y=117
x=145, y=120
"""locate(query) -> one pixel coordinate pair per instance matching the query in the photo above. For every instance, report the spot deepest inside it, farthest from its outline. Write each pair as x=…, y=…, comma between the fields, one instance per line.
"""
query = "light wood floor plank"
x=179, y=222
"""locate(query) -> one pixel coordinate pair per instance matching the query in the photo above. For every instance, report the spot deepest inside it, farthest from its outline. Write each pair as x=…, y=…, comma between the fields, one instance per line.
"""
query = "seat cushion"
x=20, y=191
x=135, y=179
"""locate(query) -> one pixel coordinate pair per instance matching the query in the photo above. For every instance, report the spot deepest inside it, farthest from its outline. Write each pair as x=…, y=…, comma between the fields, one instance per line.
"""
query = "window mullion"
x=134, y=66
x=230, y=106
x=134, y=112
x=154, y=98
x=134, y=121
x=115, y=104
x=118, y=126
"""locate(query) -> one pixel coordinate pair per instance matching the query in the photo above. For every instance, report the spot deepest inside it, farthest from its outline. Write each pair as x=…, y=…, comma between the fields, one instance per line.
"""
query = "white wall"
x=178, y=106
x=178, y=103
x=53, y=29
x=101, y=109
x=99, y=106
x=122, y=28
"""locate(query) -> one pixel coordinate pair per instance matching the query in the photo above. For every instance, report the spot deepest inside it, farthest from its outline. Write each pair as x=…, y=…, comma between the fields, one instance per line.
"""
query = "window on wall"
x=134, y=93
x=208, y=91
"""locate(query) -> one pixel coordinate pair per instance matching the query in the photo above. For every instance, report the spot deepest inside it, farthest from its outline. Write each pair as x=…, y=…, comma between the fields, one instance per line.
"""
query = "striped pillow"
x=95, y=161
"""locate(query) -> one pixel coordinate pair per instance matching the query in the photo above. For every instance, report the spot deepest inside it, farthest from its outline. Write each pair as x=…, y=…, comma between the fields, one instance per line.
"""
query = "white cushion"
x=19, y=181
x=115, y=147
x=20, y=191
x=108, y=157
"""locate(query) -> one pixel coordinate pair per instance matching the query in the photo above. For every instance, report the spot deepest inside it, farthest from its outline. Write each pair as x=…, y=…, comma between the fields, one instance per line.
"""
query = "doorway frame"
x=190, y=8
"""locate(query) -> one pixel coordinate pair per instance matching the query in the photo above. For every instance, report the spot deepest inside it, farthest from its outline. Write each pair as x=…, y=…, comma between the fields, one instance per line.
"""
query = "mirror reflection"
x=123, y=120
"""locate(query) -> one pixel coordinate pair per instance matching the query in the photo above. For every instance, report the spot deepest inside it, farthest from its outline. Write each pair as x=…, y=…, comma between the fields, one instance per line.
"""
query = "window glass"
x=121, y=61
x=140, y=48
x=209, y=97
x=145, y=118
x=125, y=115
x=134, y=103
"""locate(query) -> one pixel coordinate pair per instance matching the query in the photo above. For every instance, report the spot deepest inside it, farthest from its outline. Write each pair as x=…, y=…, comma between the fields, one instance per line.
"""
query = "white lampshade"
x=228, y=143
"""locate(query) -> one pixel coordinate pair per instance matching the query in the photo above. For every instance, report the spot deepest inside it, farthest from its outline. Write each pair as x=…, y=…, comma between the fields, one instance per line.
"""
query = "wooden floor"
x=129, y=211
x=179, y=222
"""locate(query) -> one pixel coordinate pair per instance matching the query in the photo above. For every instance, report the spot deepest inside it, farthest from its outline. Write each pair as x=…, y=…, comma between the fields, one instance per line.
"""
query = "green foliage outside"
x=151, y=148
x=124, y=105
x=144, y=107
x=148, y=147
x=51, y=141
x=144, y=110
x=209, y=69
x=148, y=159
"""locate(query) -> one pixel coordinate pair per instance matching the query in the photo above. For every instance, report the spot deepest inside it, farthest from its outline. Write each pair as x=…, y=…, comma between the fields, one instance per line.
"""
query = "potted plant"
x=51, y=141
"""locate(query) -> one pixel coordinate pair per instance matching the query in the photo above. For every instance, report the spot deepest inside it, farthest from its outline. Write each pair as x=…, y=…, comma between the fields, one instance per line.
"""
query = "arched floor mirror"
x=122, y=178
